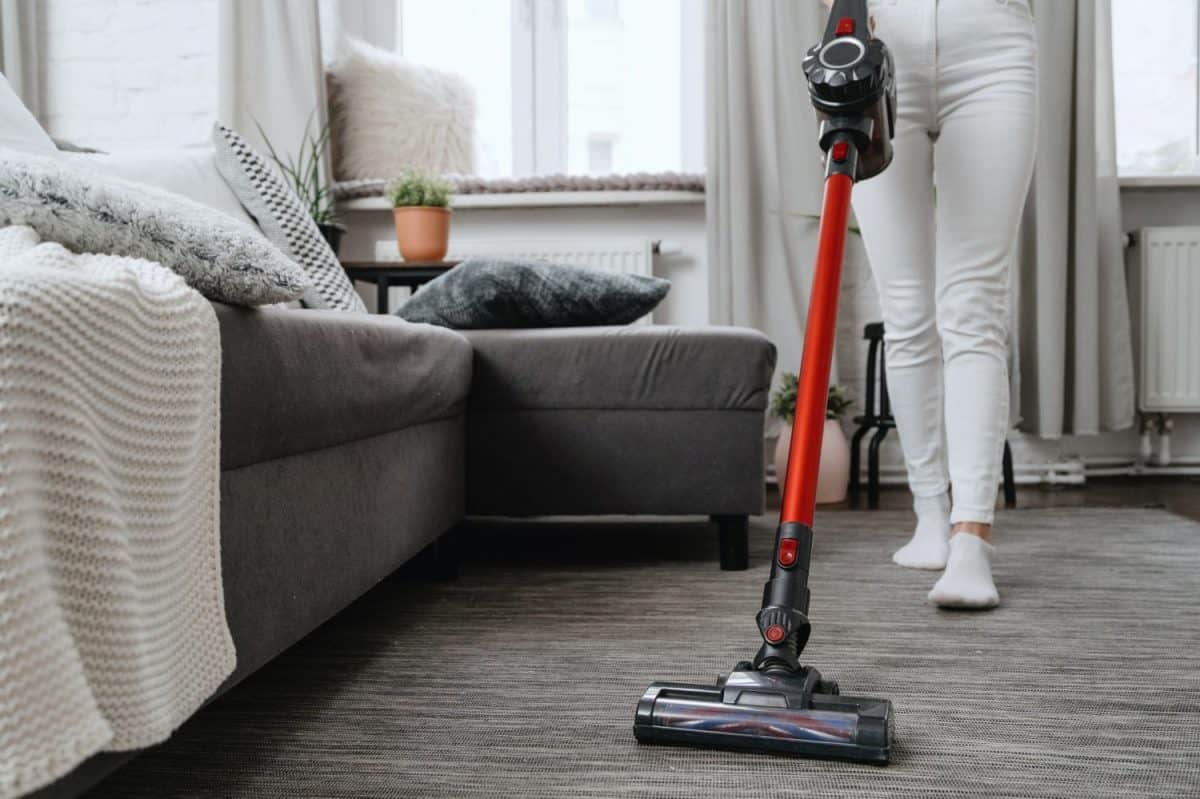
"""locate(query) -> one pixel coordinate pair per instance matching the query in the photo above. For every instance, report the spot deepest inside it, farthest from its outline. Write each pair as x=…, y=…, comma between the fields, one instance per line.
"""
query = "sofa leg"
x=445, y=556
x=733, y=535
x=439, y=560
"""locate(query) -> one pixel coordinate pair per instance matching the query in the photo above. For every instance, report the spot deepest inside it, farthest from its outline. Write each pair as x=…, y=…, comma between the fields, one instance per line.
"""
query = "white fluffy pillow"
x=191, y=172
x=391, y=114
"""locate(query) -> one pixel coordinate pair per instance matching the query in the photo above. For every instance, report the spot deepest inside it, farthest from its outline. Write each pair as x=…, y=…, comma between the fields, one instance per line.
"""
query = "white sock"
x=967, y=582
x=928, y=548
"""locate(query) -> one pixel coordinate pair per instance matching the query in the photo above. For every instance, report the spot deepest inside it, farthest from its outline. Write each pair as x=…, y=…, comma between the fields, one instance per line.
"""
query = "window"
x=472, y=39
x=1155, y=47
x=571, y=86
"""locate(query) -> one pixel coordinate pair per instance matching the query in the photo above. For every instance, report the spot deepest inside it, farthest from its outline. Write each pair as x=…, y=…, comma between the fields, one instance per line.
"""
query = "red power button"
x=787, y=552
x=840, y=151
x=845, y=26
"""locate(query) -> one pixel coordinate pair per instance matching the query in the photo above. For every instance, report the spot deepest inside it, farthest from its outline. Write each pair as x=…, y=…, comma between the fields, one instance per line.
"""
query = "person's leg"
x=983, y=160
x=895, y=214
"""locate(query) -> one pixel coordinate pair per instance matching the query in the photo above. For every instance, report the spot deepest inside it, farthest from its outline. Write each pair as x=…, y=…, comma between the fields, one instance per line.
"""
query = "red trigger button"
x=845, y=26
x=787, y=552
x=840, y=151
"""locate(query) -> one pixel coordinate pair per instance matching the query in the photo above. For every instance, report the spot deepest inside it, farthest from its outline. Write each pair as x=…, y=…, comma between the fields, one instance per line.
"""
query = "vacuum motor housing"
x=852, y=85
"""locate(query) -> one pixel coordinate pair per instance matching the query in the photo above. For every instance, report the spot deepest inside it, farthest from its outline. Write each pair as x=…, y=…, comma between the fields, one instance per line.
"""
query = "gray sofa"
x=352, y=443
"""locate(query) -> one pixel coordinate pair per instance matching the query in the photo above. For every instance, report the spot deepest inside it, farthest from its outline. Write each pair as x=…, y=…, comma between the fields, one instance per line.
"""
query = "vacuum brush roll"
x=829, y=726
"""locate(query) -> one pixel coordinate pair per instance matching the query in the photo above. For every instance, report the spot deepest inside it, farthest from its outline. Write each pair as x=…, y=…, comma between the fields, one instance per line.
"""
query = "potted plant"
x=421, y=208
x=834, y=476
x=306, y=177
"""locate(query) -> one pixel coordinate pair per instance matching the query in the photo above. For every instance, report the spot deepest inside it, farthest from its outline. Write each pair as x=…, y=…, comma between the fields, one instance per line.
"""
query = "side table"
x=385, y=274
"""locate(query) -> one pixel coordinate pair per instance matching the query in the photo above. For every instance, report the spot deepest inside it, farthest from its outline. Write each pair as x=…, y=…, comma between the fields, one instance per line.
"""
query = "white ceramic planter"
x=834, y=477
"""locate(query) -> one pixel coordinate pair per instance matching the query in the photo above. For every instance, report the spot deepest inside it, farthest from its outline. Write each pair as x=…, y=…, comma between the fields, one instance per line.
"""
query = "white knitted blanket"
x=112, y=617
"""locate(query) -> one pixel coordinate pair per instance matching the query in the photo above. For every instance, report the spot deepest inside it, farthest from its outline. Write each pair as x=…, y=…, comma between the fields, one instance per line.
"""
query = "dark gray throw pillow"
x=492, y=293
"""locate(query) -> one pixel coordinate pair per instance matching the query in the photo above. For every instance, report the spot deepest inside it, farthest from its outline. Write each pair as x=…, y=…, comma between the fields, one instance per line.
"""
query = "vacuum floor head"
x=787, y=713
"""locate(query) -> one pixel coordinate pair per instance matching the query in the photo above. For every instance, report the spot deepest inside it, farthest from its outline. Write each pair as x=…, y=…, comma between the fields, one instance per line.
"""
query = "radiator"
x=633, y=255
x=630, y=255
x=1170, y=319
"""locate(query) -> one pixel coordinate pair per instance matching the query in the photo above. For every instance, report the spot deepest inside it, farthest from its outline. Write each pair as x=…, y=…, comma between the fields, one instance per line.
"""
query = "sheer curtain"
x=19, y=50
x=271, y=72
x=765, y=179
x=1073, y=342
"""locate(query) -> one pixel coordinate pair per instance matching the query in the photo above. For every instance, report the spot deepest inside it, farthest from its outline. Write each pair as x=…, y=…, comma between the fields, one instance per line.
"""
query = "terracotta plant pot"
x=834, y=477
x=422, y=233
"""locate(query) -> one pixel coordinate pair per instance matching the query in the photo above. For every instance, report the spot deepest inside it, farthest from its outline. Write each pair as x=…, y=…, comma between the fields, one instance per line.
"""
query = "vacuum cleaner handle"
x=853, y=91
x=852, y=86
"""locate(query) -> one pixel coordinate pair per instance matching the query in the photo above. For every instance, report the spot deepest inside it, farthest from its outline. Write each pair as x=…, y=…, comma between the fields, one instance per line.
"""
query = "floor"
x=518, y=678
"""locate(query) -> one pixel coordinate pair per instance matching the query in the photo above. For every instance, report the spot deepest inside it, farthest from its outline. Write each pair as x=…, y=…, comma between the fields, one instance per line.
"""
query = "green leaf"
x=303, y=172
x=783, y=399
x=415, y=189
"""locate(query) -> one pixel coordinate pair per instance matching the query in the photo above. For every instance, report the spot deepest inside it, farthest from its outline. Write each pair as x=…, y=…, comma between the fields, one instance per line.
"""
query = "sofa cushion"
x=295, y=381
x=641, y=367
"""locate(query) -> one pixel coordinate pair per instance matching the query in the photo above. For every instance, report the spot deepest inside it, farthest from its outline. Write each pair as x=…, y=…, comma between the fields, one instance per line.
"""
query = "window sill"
x=545, y=199
x=1159, y=181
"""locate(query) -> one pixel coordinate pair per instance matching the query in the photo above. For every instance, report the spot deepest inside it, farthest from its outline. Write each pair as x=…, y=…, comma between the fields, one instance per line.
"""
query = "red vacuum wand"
x=783, y=619
x=800, y=484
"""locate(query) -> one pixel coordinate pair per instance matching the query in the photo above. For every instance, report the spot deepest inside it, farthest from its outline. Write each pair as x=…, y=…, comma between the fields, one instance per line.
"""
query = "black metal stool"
x=882, y=421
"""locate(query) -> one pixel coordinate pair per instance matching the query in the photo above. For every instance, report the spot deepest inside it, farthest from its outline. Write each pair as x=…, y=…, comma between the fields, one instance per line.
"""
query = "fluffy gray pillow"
x=487, y=293
x=85, y=211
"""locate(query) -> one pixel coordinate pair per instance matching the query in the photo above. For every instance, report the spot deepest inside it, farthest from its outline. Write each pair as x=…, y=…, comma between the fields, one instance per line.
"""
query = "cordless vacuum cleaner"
x=774, y=703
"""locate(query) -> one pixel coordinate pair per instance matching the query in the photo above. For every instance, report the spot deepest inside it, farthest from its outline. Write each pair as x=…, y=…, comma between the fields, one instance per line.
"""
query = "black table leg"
x=873, y=468
x=1010, y=483
x=381, y=294
x=856, y=458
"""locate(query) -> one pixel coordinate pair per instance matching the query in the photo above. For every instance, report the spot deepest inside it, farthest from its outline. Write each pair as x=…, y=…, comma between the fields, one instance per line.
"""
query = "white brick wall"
x=118, y=74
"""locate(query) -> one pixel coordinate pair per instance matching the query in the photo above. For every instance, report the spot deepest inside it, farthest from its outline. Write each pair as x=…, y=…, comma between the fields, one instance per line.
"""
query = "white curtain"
x=271, y=72
x=1073, y=342
x=19, y=50
x=371, y=21
x=765, y=180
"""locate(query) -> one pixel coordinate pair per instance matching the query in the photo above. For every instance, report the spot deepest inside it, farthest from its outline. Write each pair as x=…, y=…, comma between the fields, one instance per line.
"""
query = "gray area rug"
x=520, y=678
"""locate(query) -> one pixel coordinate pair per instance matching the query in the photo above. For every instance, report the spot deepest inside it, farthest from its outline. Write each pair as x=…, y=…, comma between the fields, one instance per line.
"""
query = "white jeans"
x=967, y=118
